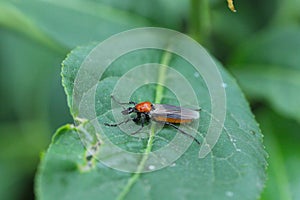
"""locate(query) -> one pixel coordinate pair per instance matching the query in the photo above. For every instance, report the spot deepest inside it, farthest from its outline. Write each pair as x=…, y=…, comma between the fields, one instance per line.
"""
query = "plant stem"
x=199, y=20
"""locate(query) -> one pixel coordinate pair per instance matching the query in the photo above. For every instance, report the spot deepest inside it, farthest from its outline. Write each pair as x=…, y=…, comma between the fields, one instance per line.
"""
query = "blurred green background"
x=259, y=45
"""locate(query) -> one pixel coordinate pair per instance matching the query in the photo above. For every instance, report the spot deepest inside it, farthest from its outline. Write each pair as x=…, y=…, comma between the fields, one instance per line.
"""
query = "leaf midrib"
x=158, y=97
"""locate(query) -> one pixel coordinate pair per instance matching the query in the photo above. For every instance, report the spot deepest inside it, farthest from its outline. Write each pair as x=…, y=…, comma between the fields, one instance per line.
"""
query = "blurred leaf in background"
x=267, y=68
x=259, y=44
x=284, y=161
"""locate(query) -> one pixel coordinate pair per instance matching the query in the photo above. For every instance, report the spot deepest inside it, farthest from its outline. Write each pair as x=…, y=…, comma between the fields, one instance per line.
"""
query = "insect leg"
x=183, y=132
x=142, y=123
x=123, y=122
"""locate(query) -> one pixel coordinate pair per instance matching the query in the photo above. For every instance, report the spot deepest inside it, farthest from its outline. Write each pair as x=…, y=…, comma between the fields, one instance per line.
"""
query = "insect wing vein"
x=175, y=112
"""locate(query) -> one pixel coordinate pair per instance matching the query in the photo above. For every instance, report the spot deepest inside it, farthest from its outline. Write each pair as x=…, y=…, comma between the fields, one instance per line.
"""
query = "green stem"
x=159, y=95
x=199, y=20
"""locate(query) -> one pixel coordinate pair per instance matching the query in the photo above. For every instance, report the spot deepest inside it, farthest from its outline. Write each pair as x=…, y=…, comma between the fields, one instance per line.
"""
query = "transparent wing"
x=174, y=112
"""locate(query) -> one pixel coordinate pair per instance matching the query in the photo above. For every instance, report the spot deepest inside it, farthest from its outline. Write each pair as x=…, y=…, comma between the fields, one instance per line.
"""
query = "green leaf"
x=230, y=28
x=21, y=144
x=74, y=22
x=14, y=180
x=32, y=67
x=283, y=174
x=235, y=169
x=78, y=22
x=267, y=67
x=287, y=13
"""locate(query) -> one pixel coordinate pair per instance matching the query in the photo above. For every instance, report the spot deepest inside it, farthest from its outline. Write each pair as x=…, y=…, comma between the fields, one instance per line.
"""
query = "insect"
x=161, y=113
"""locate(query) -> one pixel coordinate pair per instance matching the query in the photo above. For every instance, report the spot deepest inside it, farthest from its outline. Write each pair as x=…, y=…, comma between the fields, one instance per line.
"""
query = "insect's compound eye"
x=130, y=110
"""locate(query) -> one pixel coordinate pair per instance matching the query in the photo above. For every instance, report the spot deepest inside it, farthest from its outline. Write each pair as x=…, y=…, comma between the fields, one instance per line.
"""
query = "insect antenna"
x=122, y=103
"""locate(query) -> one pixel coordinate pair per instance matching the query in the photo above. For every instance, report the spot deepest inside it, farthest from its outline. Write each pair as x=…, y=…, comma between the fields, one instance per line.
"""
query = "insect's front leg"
x=117, y=124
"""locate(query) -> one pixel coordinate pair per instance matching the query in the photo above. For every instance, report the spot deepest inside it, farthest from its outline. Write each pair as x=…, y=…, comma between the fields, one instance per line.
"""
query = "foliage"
x=237, y=160
x=259, y=44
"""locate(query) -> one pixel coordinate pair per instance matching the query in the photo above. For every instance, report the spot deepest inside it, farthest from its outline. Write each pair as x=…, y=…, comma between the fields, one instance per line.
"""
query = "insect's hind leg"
x=183, y=132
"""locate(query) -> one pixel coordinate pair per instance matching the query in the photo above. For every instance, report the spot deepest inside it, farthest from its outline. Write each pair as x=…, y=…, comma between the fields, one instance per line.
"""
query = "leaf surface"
x=234, y=169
